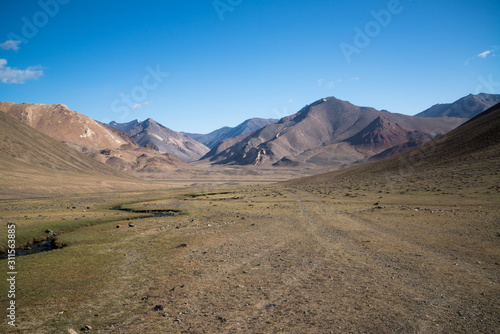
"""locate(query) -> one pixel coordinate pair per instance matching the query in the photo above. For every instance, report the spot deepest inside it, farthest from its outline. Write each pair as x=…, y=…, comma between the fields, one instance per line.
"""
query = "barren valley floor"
x=260, y=259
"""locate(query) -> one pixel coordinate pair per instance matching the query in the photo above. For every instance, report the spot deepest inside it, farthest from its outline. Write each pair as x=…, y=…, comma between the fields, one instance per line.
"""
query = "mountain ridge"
x=213, y=138
x=473, y=145
x=35, y=164
x=100, y=141
x=64, y=124
x=466, y=107
x=149, y=132
x=322, y=125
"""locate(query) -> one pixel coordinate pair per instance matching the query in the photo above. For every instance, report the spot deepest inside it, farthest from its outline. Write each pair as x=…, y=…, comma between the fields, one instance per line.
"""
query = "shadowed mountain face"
x=162, y=139
x=328, y=132
x=215, y=137
x=466, y=107
x=382, y=133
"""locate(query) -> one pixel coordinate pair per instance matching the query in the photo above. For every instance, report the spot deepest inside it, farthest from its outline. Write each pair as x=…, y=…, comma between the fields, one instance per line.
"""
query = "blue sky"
x=198, y=65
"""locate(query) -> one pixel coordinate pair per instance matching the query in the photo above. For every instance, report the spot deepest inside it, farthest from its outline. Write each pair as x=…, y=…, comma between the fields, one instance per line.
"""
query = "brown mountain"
x=470, y=155
x=328, y=132
x=213, y=138
x=100, y=141
x=139, y=159
x=66, y=125
x=163, y=139
x=34, y=164
x=382, y=133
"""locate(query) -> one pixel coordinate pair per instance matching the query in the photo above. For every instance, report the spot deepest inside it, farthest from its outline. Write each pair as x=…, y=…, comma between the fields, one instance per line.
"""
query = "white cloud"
x=482, y=55
x=140, y=105
x=320, y=82
x=10, y=45
x=485, y=54
x=13, y=75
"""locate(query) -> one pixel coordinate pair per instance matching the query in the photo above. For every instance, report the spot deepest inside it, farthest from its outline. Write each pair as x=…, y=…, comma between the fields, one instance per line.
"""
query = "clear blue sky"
x=229, y=60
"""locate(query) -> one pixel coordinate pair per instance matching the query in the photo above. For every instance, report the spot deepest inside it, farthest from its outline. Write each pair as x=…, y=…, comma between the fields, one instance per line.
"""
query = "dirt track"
x=314, y=269
x=272, y=259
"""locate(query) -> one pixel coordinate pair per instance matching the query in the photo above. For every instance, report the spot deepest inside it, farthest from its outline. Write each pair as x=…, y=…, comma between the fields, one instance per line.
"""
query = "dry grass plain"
x=284, y=258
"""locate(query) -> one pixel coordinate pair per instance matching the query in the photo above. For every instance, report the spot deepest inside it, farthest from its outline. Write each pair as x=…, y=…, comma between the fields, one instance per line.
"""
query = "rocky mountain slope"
x=125, y=127
x=250, y=125
x=466, y=107
x=163, y=139
x=470, y=153
x=100, y=141
x=328, y=132
x=34, y=164
x=66, y=125
x=139, y=159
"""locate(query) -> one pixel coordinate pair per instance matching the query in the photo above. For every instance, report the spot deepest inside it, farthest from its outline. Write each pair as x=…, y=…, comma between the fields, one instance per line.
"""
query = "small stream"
x=49, y=243
x=36, y=247
x=155, y=213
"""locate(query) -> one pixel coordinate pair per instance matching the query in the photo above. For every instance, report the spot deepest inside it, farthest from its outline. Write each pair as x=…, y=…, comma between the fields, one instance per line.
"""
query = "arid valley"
x=409, y=244
x=253, y=167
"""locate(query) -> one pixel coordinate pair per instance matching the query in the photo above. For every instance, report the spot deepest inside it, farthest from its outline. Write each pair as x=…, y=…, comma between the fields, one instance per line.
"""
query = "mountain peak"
x=381, y=132
x=215, y=137
x=150, y=132
x=63, y=124
x=382, y=121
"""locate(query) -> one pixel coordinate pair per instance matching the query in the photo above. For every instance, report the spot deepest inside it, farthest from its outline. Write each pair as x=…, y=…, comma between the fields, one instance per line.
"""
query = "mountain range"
x=473, y=148
x=467, y=107
x=63, y=124
x=329, y=132
x=163, y=139
x=213, y=138
x=92, y=138
x=34, y=164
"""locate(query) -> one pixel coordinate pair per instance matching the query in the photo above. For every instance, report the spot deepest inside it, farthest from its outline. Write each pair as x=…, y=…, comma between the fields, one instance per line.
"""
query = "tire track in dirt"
x=430, y=283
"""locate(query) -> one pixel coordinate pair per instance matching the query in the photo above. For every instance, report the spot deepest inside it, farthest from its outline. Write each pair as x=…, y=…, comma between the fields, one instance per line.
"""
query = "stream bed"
x=155, y=213
x=49, y=243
